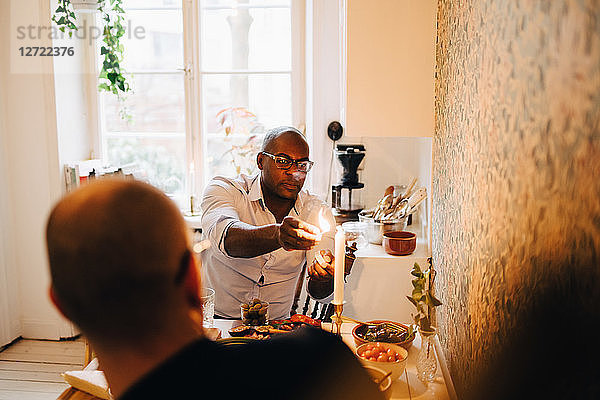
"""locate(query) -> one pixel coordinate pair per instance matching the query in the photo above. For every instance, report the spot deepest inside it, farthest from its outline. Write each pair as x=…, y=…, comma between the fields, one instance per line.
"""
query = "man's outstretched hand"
x=295, y=234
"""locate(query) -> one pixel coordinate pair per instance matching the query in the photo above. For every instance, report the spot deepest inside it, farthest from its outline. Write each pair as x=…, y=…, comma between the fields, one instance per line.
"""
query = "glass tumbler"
x=356, y=232
x=208, y=307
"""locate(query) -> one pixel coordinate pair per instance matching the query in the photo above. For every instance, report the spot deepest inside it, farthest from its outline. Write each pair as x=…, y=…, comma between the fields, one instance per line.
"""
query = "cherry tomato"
x=382, y=358
x=368, y=353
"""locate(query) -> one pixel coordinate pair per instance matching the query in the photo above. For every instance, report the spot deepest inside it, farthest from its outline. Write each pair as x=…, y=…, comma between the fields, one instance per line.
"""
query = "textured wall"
x=516, y=164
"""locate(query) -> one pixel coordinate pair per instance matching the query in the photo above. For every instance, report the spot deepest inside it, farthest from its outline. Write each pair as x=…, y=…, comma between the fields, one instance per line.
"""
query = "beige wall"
x=516, y=171
x=389, y=66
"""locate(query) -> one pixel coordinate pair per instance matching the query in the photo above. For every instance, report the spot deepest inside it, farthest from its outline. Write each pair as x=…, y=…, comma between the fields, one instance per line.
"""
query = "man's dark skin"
x=280, y=189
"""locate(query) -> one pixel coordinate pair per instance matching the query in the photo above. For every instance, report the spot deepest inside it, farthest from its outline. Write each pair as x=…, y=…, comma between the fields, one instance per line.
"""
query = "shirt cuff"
x=228, y=223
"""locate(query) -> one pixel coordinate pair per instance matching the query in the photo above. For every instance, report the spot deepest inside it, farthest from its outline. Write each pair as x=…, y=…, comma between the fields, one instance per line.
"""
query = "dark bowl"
x=399, y=243
x=358, y=340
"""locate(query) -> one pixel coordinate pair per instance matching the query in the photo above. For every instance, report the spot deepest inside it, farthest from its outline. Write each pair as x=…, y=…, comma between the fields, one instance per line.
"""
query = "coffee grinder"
x=346, y=195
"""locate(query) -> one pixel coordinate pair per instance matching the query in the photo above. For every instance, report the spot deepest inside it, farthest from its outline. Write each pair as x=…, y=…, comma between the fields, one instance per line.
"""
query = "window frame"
x=195, y=138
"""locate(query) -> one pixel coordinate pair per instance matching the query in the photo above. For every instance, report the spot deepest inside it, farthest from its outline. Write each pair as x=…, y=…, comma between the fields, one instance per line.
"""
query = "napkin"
x=92, y=382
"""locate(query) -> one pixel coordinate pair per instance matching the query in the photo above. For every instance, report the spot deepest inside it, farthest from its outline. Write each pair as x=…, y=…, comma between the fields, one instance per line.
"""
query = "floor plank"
x=45, y=387
x=37, y=367
x=32, y=376
x=30, y=369
x=25, y=395
x=53, y=358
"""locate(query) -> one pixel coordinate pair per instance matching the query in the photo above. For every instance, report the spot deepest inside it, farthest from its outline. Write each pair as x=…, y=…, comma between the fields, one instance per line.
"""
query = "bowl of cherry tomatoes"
x=386, y=356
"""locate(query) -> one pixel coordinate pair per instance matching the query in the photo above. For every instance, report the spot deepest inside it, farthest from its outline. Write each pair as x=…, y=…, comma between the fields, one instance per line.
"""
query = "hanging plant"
x=112, y=77
x=64, y=17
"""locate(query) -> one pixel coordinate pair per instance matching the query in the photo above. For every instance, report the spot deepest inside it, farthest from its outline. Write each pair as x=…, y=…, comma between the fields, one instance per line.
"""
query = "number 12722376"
x=36, y=51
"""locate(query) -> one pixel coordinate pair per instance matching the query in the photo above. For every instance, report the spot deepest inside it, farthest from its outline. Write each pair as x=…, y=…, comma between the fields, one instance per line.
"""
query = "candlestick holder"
x=336, y=319
x=193, y=212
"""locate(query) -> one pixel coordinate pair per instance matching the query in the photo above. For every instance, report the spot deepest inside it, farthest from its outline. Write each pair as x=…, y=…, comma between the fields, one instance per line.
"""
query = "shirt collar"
x=255, y=192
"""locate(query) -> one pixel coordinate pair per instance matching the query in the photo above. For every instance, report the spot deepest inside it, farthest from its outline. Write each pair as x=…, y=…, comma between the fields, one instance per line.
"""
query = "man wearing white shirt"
x=258, y=229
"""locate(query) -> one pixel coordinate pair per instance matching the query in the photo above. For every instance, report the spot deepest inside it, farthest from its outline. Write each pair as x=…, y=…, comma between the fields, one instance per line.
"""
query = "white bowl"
x=395, y=367
x=385, y=387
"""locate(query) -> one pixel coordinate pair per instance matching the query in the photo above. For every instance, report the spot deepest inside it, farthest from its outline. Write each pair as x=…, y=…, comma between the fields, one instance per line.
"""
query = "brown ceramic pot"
x=399, y=243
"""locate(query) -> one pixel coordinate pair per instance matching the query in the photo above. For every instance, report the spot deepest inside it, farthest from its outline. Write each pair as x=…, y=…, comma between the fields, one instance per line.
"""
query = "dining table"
x=407, y=386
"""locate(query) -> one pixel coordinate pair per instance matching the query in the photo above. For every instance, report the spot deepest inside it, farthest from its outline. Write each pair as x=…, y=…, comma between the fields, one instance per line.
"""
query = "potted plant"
x=424, y=301
x=112, y=77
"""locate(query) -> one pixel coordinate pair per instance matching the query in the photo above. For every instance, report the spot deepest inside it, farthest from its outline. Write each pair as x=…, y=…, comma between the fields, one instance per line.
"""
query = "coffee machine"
x=346, y=195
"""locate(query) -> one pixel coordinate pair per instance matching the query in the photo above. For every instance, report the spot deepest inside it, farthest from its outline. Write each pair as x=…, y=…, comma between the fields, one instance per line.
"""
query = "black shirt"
x=306, y=364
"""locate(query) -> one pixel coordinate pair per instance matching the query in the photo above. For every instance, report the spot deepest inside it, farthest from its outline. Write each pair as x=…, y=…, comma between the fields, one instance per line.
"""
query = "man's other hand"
x=322, y=267
x=295, y=234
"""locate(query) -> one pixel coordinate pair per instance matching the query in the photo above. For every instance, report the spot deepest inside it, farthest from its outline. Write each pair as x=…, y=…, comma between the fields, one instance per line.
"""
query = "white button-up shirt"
x=271, y=277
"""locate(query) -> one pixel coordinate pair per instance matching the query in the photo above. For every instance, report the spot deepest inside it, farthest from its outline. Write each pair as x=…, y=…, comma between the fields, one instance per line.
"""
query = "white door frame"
x=10, y=325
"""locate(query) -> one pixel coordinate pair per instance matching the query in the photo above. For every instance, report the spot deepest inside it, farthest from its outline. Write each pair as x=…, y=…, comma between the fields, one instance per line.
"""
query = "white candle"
x=192, y=183
x=338, y=276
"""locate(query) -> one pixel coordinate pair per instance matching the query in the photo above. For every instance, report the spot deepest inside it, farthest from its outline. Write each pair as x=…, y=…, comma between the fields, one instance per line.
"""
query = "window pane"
x=156, y=105
x=240, y=39
x=230, y=156
x=159, y=161
x=233, y=3
x=151, y=3
x=267, y=97
x=154, y=40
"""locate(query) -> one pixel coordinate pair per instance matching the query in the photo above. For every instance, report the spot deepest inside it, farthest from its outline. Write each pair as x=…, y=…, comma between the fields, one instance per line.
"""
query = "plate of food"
x=385, y=331
x=280, y=326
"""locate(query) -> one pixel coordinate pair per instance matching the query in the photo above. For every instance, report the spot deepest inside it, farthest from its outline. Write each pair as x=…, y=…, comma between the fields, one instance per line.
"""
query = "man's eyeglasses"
x=286, y=163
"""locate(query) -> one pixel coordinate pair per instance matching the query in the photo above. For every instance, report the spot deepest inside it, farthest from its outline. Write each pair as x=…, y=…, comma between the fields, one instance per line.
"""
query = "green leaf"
x=418, y=284
x=112, y=77
x=413, y=301
x=103, y=50
x=60, y=9
x=417, y=267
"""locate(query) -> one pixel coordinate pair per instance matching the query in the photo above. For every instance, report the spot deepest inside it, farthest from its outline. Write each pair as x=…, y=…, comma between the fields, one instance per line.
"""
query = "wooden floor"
x=30, y=369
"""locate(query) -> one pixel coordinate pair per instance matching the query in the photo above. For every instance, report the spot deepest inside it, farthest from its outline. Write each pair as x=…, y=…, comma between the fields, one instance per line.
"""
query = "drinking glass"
x=208, y=307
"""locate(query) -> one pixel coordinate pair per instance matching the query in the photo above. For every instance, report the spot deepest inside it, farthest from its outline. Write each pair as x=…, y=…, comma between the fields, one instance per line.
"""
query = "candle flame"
x=323, y=223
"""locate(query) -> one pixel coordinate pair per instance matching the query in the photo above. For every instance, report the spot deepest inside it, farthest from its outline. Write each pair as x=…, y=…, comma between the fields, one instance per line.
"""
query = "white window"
x=152, y=143
x=209, y=78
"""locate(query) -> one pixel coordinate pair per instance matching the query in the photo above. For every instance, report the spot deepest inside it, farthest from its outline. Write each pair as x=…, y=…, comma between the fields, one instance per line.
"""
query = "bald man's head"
x=287, y=142
x=269, y=141
x=116, y=250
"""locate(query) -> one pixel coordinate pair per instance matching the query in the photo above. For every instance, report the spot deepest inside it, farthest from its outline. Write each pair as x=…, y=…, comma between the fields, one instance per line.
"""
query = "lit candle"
x=338, y=276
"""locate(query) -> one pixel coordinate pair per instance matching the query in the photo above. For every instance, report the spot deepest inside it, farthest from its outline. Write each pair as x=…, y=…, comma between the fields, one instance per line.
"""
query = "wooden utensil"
x=410, y=188
x=388, y=190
